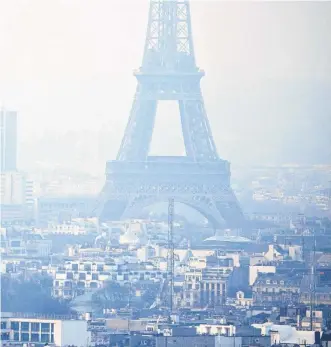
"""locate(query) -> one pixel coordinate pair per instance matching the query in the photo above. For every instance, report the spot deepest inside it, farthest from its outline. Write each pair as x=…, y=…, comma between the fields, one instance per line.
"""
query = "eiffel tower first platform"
x=200, y=179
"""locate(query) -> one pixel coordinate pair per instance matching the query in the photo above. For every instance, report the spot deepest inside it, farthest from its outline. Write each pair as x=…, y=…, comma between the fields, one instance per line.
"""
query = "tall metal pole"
x=171, y=255
x=329, y=198
x=313, y=283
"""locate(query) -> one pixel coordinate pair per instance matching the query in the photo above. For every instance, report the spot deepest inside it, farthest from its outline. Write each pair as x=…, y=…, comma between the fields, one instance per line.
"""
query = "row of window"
x=276, y=290
x=26, y=337
x=65, y=292
x=87, y=267
x=31, y=326
x=95, y=277
x=275, y=282
x=318, y=296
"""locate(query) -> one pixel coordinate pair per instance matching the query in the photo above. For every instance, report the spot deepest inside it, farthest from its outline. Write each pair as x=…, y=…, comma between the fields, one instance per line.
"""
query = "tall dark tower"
x=200, y=179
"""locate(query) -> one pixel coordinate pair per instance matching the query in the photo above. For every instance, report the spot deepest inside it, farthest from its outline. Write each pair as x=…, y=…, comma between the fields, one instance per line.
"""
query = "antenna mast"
x=170, y=255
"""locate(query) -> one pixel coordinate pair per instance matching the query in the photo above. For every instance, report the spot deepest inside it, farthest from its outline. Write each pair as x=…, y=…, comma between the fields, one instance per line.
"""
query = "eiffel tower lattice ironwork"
x=200, y=179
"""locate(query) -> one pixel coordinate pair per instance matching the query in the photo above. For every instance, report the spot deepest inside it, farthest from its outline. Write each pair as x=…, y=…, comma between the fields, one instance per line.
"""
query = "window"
x=3, y=325
x=45, y=328
x=281, y=282
x=52, y=327
x=67, y=284
x=16, y=336
x=94, y=277
x=44, y=338
x=25, y=337
x=87, y=267
x=35, y=327
x=82, y=276
x=34, y=337
x=267, y=281
x=70, y=275
x=14, y=326
x=74, y=267
x=4, y=336
x=99, y=267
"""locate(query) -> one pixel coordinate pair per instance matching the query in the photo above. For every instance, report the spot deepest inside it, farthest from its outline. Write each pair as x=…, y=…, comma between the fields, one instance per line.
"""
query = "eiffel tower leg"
x=230, y=211
x=110, y=205
x=197, y=135
x=138, y=133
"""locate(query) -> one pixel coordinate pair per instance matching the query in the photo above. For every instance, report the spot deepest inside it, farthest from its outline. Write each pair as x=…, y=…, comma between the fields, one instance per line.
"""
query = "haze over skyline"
x=67, y=67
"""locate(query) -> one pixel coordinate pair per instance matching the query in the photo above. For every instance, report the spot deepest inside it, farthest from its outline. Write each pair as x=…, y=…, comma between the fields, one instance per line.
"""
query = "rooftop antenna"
x=170, y=254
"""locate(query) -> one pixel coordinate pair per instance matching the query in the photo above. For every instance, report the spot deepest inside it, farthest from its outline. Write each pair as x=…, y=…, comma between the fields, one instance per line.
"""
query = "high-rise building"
x=8, y=140
x=13, y=188
x=12, y=197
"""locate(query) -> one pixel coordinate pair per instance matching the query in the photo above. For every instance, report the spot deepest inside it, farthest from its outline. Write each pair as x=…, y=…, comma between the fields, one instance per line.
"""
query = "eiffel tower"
x=200, y=179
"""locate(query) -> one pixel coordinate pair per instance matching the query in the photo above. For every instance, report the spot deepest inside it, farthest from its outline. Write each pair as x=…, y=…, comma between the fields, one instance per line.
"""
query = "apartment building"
x=76, y=278
x=276, y=289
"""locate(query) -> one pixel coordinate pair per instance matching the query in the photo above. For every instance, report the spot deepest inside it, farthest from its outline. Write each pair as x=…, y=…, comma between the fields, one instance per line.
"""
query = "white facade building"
x=54, y=331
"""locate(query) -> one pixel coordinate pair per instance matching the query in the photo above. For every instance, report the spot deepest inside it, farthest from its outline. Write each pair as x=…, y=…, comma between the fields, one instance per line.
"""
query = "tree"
x=112, y=296
x=30, y=295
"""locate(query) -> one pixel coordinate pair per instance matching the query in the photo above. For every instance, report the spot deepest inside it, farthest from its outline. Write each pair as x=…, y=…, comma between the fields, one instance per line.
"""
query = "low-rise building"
x=41, y=330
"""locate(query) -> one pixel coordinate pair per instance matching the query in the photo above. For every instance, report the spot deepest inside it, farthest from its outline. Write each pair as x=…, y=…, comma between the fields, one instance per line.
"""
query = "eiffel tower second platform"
x=132, y=186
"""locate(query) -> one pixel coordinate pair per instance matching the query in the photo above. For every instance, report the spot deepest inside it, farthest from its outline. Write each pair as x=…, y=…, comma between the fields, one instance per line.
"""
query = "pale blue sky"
x=67, y=65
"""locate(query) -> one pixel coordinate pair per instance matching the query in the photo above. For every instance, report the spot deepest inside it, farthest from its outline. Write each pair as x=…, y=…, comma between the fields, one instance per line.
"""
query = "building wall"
x=8, y=140
x=228, y=341
x=75, y=333
x=53, y=331
x=256, y=269
x=13, y=188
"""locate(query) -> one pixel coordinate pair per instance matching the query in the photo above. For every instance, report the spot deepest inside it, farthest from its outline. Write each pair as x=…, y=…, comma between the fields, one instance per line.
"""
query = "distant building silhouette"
x=8, y=138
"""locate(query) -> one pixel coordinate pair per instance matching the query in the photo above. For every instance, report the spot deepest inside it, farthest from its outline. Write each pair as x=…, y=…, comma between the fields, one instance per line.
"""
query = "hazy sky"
x=67, y=65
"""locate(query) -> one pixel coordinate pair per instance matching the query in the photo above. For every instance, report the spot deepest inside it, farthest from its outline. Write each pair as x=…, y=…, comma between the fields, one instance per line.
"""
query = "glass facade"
x=30, y=331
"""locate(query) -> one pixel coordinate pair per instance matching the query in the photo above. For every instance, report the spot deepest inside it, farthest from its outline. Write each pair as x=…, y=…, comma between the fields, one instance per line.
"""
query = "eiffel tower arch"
x=201, y=179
